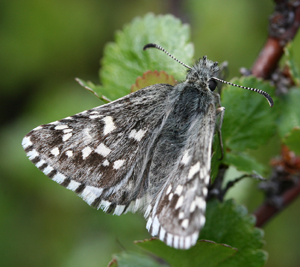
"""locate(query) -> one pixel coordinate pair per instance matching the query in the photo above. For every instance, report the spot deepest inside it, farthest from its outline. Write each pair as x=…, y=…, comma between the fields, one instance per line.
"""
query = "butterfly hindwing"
x=177, y=214
x=99, y=153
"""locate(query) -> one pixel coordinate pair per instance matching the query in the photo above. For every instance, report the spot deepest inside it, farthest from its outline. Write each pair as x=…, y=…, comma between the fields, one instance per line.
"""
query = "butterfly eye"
x=212, y=84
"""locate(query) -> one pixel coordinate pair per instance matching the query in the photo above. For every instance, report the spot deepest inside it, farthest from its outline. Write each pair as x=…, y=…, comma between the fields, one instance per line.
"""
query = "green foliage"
x=228, y=223
x=290, y=62
x=125, y=59
x=130, y=259
x=289, y=121
x=202, y=254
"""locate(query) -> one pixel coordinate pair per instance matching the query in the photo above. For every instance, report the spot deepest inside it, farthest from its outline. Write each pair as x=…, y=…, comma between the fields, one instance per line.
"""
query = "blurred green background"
x=44, y=45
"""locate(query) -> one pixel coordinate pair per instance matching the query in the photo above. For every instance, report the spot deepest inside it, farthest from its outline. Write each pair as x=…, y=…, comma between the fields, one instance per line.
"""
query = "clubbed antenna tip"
x=149, y=46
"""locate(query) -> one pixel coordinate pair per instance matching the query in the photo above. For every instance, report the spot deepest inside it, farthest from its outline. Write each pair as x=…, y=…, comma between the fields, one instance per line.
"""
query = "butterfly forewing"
x=100, y=153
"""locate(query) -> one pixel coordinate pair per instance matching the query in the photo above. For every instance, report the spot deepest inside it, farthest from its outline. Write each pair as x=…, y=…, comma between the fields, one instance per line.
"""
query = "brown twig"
x=284, y=24
x=282, y=188
x=267, y=210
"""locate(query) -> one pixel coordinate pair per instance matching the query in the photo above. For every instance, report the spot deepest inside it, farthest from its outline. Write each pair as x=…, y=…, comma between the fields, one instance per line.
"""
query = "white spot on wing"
x=147, y=212
x=206, y=180
x=69, y=153
x=119, y=210
x=200, y=202
x=202, y=220
x=40, y=163
x=155, y=226
x=162, y=233
x=137, y=135
x=66, y=136
x=73, y=185
x=169, y=239
x=26, y=142
x=61, y=127
x=204, y=191
x=195, y=238
x=90, y=193
x=185, y=223
x=47, y=170
x=105, y=163
x=105, y=205
x=102, y=150
x=203, y=172
x=179, y=203
x=181, y=242
x=176, y=241
x=169, y=190
x=186, y=158
x=92, y=117
x=67, y=130
x=55, y=151
x=32, y=154
x=118, y=164
x=86, y=152
x=170, y=196
x=188, y=242
x=108, y=125
x=149, y=223
x=181, y=215
x=193, y=170
x=178, y=190
x=59, y=178
x=193, y=206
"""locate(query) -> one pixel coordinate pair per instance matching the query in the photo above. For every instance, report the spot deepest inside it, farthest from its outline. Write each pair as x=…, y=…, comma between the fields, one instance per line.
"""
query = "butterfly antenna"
x=164, y=50
x=266, y=95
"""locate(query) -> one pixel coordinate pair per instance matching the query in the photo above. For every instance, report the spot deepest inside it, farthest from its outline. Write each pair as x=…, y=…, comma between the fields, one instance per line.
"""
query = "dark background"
x=44, y=45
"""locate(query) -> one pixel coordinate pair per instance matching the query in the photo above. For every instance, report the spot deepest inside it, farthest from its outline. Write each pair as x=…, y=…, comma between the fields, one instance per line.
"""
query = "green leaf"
x=92, y=88
x=249, y=121
x=294, y=70
x=204, y=253
x=130, y=259
x=125, y=59
x=230, y=224
x=292, y=140
x=243, y=162
x=289, y=122
x=290, y=112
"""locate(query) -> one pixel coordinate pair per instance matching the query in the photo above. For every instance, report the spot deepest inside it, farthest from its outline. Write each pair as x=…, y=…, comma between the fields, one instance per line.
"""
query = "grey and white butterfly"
x=147, y=151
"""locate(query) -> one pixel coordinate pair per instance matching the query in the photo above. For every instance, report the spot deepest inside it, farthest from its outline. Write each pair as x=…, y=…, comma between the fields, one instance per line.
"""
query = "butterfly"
x=148, y=151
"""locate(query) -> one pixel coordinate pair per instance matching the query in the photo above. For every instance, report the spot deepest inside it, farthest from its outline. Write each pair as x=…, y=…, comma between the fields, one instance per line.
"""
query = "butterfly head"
x=203, y=73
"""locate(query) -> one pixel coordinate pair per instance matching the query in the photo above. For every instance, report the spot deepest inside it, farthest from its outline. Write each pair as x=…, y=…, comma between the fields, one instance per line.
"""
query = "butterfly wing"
x=177, y=212
x=100, y=153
